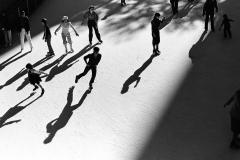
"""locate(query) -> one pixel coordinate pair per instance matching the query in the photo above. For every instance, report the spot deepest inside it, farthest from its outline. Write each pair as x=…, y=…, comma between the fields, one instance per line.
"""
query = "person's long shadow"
x=136, y=76
x=60, y=122
x=56, y=62
x=68, y=63
x=166, y=22
x=15, y=110
x=112, y=11
x=184, y=12
x=11, y=60
x=22, y=72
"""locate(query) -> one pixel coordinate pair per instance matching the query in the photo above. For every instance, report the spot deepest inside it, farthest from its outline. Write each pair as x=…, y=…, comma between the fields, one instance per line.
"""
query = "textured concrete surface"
x=168, y=107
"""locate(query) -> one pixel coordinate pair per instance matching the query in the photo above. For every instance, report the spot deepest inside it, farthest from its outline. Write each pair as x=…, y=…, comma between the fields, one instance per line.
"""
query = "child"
x=65, y=32
x=227, y=26
x=47, y=37
x=34, y=77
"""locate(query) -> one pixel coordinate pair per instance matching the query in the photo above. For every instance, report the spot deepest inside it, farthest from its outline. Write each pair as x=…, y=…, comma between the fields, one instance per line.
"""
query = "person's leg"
x=87, y=68
x=70, y=42
x=6, y=38
x=212, y=22
x=206, y=21
x=28, y=36
x=41, y=88
x=173, y=8
x=49, y=45
x=224, y=32
x=9, y=33
x=22, y=36
x=94, y=72
x=176, y=6
x=64, y=37
x=90, y=25
x=97, y=32
x=229, y=33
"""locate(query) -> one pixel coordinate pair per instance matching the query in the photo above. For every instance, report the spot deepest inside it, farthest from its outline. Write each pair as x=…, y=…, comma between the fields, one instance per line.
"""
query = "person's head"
x=65, y=19
x=3, y=13
x=91, y=8
x=96, y=49
x=157, y=15
x=225, y=16
x=23, y=14
x=44, y=21
x=29, y=66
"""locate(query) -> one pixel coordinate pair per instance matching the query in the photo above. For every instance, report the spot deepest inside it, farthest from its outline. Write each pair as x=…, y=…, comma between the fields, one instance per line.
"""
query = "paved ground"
x=175, y=111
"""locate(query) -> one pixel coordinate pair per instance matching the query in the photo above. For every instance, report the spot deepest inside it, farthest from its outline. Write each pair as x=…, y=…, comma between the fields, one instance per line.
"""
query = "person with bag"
x=47, y=37
x=235, y=118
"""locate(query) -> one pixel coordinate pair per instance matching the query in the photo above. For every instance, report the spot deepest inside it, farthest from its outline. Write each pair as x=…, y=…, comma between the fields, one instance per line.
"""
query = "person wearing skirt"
x=235, y=118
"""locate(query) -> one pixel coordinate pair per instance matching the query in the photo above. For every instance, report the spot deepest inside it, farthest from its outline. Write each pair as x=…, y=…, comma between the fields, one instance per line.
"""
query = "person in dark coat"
x=47, y=37
x=93, y=60
x=174, y=4
x=6, y=29
x=208, y=11
x=92, y=24
x=34, y=77
x=226, y=24
x=156, y=22
x=235, y=118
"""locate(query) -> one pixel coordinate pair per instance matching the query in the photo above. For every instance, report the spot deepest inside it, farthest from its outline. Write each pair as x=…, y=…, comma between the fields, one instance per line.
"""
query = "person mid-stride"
x=47, y=37
x=93, y=60
x=226, y=24
x=155, y=32
x=34, y=77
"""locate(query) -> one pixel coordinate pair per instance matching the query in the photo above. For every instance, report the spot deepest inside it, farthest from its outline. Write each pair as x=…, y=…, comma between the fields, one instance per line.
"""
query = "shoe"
x=90, y=44
x=10, y=45
x=76, y=79
x=21, y=49
x=72, y=50
x=100, y=41
x=36, y=87
x=66, y=51
x=42, y=91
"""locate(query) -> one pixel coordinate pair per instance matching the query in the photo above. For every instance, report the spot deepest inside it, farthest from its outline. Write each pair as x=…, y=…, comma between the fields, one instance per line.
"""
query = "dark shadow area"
x=57, y=124
x=136, y=76
x=194, y=125
x=186, y=9
x=15, y=110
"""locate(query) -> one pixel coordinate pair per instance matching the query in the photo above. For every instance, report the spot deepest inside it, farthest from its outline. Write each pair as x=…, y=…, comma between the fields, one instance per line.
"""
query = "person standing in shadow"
x=226, y=25
x=174, y=4
x=235, y=119
x=47, y=37
x=6, y=29
x=208, y=11
x=156, y=22
x=93, y=60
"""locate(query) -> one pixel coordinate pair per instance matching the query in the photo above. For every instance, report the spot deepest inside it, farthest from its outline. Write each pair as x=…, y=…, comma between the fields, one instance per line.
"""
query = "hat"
x=91, y=7
x=65, y=18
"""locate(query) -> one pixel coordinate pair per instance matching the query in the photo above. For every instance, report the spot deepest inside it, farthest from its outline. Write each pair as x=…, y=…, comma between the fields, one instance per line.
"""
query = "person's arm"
x=164, y=18
x=231, y=20
x=99, y=60
x=44, y=34
x=216, y=6
x=73, y=29
x=86, y=57
x=229, y=101
x=38, y=72
x=85, y=16
x=221, y=25
x=27, y=24
x=58, y=29
x=204, y=10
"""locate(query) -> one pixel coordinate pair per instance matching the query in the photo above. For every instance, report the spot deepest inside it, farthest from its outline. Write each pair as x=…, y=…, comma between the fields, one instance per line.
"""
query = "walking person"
x=123, y=2
x=235, y=118
x=208, y=11
x=156, y=22
x=93, y=60
x=174, y=4
x=24, y=30
x=92, y=24
x=226, y=24
x=65, y=24
x=47, y=37
x=34, y=77
x=6, y=29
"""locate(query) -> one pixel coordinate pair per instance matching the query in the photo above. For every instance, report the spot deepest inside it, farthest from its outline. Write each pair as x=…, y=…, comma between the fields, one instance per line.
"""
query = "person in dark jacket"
x=47, y=37
x=24, y=30
x=208, y=11
x=6, y=29
x=156, y=22
x=235, y=118
x=226, y=24
x=92, y=24
x=174, y=4
x=93, y=60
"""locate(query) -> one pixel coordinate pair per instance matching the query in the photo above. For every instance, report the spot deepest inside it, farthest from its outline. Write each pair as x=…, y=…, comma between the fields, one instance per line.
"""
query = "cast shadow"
x=112, y=11
x=166, y=22
x=68, y=63
x=60, y=122
x=184, y=12
x=136, y=75
x=15, y=110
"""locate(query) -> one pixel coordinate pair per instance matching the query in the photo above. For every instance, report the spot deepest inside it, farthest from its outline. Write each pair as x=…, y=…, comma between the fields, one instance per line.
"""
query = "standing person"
x=156, y=32
x=226, y=25
x=174, y=4
x=24, y=29
x=123, y=2
x=208, y=11
x=92, y=24
x=235, y=118
x=65, y=24
x=6, y=29
x=34, y=77
x=47, y=37
x=93, y=60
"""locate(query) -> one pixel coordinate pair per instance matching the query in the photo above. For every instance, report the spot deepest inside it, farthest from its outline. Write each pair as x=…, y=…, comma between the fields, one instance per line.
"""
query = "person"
x=155, y=32
x=226, y=23
x=47, y=37
x=123, y=2
x=24, y=30
x=92, y=24
x=235, y=118
x=65, y=24
x=208, y=11
x=174, y=4
x=6, y=29
x=34, y=77
x=93, y=60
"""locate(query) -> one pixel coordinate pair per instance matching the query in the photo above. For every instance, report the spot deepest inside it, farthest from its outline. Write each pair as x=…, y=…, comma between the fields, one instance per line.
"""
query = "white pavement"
x=174, y=112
